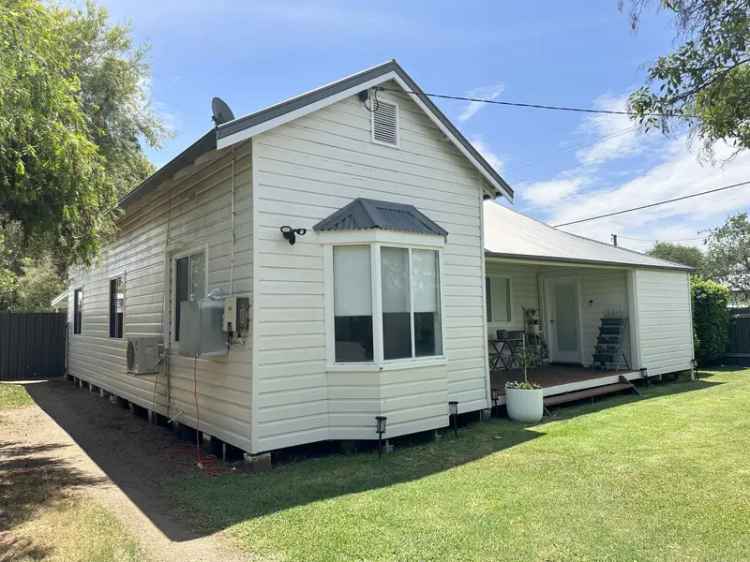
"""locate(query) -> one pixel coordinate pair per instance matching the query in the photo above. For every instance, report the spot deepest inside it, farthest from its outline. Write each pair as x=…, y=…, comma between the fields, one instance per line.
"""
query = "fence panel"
x=32, y=345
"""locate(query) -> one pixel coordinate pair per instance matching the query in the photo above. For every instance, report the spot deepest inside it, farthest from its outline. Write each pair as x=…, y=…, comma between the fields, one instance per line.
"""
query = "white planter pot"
x=525, y=405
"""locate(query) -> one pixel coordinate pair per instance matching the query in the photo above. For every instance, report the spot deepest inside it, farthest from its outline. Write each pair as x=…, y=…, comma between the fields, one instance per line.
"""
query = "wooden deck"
x=557, y=379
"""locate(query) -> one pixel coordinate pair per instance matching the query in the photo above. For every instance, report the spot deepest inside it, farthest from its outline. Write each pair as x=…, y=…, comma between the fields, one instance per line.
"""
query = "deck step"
x=587, y=393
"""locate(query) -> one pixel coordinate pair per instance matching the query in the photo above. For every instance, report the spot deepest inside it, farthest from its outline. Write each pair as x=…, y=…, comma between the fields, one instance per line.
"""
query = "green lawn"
x=13, y=396
x=663, y=477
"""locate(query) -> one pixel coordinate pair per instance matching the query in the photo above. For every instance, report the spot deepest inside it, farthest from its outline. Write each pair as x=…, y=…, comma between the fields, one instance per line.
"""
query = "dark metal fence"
x=738, y=348
x=32, y=345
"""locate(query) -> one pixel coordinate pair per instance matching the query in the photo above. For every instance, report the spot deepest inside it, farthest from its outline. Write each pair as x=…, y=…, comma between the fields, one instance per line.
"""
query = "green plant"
x=522, y=385
x=710, y=319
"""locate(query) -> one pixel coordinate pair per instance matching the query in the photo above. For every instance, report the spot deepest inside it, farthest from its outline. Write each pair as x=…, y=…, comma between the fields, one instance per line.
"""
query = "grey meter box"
x=201, y=328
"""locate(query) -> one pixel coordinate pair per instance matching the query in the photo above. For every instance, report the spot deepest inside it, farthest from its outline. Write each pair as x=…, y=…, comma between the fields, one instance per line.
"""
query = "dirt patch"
x=73, y=442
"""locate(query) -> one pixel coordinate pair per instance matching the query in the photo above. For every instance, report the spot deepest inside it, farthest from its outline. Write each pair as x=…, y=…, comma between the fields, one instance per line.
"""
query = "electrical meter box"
x=236, y=315
x=201, y=328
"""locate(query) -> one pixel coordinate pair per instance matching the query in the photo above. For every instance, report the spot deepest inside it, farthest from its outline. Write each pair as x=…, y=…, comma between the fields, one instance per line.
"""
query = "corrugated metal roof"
x=512, y=235
x=202, y=146
x=364, y=214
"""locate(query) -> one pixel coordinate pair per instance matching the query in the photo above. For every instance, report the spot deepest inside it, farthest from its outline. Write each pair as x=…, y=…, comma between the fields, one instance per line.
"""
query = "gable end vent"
x=385, y=123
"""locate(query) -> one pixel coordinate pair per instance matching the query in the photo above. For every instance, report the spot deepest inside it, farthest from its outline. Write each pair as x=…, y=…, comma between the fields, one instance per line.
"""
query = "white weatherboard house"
x=321, y=262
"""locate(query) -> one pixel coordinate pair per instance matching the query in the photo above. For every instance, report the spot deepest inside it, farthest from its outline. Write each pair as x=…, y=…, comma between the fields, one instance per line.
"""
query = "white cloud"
x=493, y=159
x=546, y=193
x=682, y=173
x=617, y=135
x=485, y=92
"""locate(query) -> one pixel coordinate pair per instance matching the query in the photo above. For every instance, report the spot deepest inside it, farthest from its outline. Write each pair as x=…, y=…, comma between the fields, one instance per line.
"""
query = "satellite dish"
x=221, y=111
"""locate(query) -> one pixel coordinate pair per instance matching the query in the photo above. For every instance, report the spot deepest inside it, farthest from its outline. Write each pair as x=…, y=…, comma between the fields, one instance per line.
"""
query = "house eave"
x=563, y=261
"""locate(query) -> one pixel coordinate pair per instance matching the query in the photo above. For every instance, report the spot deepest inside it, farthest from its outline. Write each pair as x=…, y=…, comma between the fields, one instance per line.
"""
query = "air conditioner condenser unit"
x=145, y=355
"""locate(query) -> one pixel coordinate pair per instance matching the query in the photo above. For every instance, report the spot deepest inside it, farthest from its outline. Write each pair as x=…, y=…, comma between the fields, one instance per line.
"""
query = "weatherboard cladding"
x=334, y=88
x=208, y=142
x=364, y=214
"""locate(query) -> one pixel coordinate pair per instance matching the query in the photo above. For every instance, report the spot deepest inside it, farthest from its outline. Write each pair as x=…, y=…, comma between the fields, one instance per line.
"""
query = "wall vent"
x=385, y=123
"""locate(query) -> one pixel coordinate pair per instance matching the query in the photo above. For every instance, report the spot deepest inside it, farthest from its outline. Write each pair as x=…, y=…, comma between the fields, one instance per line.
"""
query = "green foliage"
x=73, y=109
x=710, y=319
x=706, y=78
x=686, y=255
x=26, y=284
x=728, y=258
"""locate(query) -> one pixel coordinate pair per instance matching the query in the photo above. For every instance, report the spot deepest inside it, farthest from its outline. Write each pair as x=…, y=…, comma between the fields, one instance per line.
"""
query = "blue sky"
x=577, y=53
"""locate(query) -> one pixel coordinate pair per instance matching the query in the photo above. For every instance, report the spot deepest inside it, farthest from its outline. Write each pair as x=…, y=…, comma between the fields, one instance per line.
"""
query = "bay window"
x=386, y=304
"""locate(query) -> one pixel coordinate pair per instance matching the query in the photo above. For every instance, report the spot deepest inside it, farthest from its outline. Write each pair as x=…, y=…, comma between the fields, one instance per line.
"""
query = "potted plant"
x=524, y=400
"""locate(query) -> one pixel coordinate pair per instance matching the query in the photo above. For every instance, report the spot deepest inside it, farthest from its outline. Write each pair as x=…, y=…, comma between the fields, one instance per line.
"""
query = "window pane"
x=77, y=310
x=501, y=299
x=426, y=292
x=116, y=301
x=396, y=306
x=352, y=303
x=181, y=291
x=197, y=276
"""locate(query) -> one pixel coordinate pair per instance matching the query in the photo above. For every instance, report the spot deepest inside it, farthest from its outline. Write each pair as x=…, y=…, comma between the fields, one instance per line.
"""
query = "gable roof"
x=363, y=214
x=245, y=127
x=510, y=234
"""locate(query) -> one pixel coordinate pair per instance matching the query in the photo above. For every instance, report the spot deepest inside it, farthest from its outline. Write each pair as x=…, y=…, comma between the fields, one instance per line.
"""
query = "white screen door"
x=563, y=320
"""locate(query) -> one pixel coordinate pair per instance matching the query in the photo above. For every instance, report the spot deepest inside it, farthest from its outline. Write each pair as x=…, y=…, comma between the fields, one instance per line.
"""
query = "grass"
x=74, y=530
x=664, y=477
x=13, y=396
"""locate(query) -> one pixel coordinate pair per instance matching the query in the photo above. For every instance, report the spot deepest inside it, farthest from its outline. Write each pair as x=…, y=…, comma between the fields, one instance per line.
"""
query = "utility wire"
x=656, y=204
x=662, y=239
x=532, y=105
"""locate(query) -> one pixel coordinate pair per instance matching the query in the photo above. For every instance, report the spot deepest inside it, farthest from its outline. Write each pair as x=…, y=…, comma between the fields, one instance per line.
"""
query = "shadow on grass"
x=132, y=454
x=32, y=477
x=247, y=496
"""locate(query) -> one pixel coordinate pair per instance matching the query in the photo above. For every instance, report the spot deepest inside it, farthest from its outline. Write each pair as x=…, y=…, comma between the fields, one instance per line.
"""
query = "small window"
x=385, y=123
x=190, y=283
x=352, y=303
x=497, y=292
x=77, y=311
x=116, y=307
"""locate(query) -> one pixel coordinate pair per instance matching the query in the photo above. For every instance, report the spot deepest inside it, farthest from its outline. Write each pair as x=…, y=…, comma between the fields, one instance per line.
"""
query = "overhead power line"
x=532, y=105
x=656, y=204
x=662, y=239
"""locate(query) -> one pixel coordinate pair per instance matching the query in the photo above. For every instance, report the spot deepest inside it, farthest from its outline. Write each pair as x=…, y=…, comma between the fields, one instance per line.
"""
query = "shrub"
x=710, y=319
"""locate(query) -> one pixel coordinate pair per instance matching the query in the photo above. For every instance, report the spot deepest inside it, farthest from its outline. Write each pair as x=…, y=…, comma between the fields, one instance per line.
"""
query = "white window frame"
x=398, y=123
x=123, y=276
x=173, y=284
x=83, y=293
x=500, y=323
x=375, y=241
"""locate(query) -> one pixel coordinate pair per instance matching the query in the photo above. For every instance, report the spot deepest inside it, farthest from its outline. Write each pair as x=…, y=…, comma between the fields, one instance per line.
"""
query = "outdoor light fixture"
x=453, y=410
x=292, y=233
x=380, y=422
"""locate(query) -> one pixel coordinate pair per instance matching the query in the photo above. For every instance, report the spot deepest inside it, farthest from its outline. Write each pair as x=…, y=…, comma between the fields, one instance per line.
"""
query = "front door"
x=563, y=320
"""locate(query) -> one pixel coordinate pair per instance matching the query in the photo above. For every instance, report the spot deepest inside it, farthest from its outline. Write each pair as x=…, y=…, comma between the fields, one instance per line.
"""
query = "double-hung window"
x=77, y=311
x=387, y=304
x=116, y=307
x=190, y=283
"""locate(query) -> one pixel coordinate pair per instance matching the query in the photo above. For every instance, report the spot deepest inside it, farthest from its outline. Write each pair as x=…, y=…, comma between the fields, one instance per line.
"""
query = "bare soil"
x=72, y=441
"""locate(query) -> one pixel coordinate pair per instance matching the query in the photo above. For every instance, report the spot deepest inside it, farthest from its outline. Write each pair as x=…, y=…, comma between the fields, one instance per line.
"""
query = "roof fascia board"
x=459, y=145
x=239, y=136
x=377, y=235
x=395, y=73
x=576, y=262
